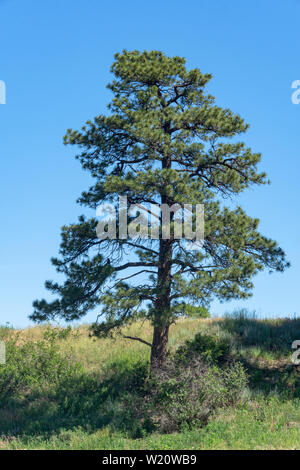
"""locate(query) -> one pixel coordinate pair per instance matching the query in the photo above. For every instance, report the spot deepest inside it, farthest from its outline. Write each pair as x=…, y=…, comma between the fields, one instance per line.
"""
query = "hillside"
x=61, y=389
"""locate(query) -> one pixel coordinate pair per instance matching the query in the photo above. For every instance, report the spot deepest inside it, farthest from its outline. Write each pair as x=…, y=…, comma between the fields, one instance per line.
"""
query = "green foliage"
x=52, y=334
x=212, y=349
x=47, y=390
x=32, y=365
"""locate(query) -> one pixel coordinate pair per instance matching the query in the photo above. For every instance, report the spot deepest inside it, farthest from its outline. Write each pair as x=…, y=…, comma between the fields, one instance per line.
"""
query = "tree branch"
x=134, y=265
x=138, y=339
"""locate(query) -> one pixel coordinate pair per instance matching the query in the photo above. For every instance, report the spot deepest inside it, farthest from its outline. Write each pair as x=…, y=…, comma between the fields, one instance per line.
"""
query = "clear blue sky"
x=55, y=58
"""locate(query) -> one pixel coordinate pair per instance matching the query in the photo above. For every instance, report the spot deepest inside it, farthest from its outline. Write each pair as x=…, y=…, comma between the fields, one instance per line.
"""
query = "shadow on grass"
x=272, y=339
x=270, y=335
x=85, y=400
x=283, y=379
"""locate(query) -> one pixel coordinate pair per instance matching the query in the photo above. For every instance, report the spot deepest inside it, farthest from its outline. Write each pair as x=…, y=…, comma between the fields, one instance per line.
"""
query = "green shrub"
x=33, y=366
x=52, y=334
x=211, y=348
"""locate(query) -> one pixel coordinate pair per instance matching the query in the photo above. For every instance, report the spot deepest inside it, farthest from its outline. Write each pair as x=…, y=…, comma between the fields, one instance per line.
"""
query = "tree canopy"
x=164, y=141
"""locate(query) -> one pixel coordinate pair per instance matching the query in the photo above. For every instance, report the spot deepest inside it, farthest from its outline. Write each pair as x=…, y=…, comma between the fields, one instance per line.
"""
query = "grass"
x=74, y=392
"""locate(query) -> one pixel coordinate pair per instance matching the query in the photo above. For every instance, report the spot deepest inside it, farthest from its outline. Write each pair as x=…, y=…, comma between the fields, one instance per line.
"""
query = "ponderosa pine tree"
x=163, y=142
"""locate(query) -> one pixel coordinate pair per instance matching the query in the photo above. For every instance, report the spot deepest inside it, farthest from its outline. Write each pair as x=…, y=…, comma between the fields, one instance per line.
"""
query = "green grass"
x=73, y=392
x=259, y=425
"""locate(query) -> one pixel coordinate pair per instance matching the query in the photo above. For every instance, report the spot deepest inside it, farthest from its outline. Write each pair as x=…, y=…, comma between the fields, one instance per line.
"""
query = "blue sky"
x=55, y=58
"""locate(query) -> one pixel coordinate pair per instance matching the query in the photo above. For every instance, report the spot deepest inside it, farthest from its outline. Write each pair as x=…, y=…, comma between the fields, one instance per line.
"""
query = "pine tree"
x=164, y=142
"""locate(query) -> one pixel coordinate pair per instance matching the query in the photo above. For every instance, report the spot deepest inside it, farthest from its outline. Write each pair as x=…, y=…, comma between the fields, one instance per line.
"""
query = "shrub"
x=32, y=365
x=211, y=348
x=186, y=396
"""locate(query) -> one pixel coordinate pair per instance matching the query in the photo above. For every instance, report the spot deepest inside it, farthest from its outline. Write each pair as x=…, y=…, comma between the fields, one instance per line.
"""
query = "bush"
x=32, y=366
x=185, y=397
x=211, y=348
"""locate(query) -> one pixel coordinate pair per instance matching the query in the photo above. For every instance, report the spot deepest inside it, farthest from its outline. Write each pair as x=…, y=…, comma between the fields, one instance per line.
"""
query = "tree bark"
x=163, y=315
x=159, y=347
x=162, y=318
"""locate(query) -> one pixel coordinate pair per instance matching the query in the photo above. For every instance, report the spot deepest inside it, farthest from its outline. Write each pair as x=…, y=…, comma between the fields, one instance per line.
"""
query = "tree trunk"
x=163, y=315
x=159, y=347
x=162, y=318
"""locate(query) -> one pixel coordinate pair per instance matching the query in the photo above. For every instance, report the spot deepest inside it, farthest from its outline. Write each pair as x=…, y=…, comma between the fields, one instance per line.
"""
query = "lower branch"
x=138, y=339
